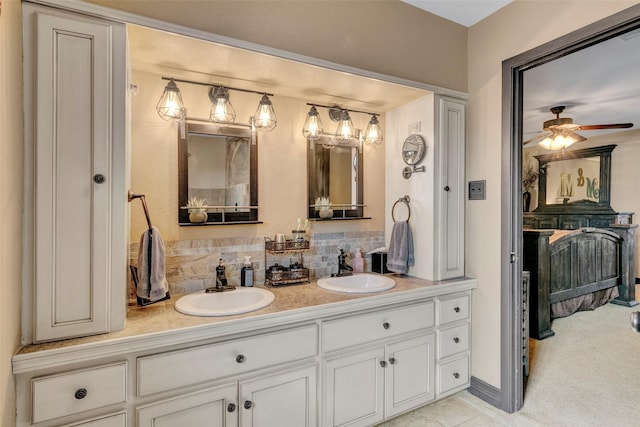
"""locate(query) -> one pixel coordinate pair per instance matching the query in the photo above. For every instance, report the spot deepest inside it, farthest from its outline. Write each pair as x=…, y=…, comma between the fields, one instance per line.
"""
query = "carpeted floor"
x=588, y=374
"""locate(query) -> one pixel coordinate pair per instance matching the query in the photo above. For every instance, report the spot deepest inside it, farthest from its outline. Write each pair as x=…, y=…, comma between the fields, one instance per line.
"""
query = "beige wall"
x=387, y=36
x=282, y=166
x=514, y=29
x=10, y=200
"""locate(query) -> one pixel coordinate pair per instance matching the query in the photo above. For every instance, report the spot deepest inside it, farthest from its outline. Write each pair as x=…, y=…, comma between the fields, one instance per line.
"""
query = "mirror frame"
x=215, y=218
x=313, y=148
x=417, y=157
x=580, y=206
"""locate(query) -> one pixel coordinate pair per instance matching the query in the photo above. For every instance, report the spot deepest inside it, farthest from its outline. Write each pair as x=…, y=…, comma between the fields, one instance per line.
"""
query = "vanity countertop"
x=160, y=324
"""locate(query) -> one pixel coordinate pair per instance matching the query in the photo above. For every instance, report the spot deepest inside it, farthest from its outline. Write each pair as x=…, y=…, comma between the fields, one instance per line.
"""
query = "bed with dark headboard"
x=575, y=270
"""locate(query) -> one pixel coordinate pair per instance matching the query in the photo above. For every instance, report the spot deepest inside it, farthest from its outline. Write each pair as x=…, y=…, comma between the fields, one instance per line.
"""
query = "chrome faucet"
x=344, y=269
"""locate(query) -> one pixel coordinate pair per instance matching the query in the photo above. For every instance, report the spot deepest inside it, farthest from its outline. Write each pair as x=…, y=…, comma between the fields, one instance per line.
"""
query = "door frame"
x=511, y=378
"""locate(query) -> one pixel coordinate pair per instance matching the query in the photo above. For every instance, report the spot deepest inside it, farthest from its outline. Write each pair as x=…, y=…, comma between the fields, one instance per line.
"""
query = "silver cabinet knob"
x=98, y=178
x=240, y=358
x=386, y=325
x=248, y=404
x=392, y=360
x=456, y=375
x=456, y=340
x=383, y=363
x=231, y=407
x=80, y=393
x=456, y=309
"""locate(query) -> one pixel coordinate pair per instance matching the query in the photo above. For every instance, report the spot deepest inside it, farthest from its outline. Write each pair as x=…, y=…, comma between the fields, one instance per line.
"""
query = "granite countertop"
x=161, y=324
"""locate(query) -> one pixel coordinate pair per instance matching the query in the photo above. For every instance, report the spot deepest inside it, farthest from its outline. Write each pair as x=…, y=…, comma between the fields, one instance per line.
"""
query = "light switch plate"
x=477, y=190
x=415, y=127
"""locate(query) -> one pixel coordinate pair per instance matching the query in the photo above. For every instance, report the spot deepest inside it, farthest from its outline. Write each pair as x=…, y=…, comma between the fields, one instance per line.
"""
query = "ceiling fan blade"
x=533, y=141
x=611, y=126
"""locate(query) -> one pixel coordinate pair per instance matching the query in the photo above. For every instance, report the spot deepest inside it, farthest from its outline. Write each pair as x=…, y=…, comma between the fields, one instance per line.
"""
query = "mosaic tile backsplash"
x=191, y=264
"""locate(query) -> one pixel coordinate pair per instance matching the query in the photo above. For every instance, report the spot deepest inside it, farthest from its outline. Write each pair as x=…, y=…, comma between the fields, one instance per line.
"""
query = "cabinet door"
x=286, y=399
x=354, y=394
x=409, y=374
x=450, y=189
x=76, y=178
x=215, y=407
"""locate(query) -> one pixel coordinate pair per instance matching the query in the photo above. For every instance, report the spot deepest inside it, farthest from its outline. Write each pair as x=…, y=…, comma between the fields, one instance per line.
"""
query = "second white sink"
x=228, y=303
x=361, y=283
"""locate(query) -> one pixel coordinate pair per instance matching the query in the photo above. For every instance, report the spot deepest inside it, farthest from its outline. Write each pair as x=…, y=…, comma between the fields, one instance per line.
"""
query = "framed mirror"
x=414, y=149
x=218, y=166
x=335, y=171
x=575, y=181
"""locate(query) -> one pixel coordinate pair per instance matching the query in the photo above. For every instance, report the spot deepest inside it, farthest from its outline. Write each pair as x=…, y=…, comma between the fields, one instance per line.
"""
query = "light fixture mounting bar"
x=216, y=85
x=336, y=107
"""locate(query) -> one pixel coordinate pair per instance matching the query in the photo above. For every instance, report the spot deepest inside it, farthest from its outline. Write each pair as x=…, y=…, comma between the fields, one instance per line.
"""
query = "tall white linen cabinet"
x=74, y=268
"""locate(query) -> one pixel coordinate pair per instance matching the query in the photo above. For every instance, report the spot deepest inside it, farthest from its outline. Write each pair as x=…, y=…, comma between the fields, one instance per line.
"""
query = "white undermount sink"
x=361, y=283
x=227, y=303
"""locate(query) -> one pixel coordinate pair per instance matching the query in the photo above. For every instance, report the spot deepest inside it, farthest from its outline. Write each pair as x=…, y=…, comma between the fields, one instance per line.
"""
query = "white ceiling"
x=463, y=12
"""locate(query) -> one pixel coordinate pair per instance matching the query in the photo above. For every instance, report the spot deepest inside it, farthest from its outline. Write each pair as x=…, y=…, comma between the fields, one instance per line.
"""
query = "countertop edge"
x=52, y=358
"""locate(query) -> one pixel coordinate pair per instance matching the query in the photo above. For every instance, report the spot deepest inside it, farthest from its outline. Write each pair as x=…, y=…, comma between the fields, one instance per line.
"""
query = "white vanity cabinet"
x=75, y=158
x=378, y=364
x=284, y=399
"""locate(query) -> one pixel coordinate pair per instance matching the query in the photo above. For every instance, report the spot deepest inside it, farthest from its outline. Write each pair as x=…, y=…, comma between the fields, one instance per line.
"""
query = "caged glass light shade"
x=265, y=117
x=312, y=128
x=373, y=134
x=170, y=105
x=222, y=110
x=345, y=132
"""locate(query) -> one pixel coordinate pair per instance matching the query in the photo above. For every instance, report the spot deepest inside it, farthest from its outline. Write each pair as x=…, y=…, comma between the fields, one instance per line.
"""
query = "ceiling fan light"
x=170, y=105
x=312, y=128
x=373, y=134
x=345, y=132
x=265, y=117
x=222, y=110
x=560, y=139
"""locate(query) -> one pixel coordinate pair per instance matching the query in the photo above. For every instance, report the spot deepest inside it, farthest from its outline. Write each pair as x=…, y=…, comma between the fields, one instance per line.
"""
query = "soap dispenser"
x=358, y=262
x=246, y=273
x=221, y=274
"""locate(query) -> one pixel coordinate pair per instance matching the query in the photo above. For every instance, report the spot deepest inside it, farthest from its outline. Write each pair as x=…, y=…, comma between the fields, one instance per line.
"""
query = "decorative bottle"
x=358, y=262
x=246, y=273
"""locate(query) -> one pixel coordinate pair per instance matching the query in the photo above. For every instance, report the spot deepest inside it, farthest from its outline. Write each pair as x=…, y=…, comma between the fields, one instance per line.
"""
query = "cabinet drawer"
x=78, y=391
x=341, y=333
x=117, y=420
x=196, y=365
x=453, y=340
x=453, y=374
x=453, y=309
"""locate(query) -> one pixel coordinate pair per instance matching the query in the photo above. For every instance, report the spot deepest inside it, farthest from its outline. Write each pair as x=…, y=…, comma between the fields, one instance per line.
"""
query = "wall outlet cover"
x=477, y=190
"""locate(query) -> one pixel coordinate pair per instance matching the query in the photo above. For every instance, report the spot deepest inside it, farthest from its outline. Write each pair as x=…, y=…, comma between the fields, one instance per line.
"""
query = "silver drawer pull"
x=80, y=393
x=456, y=340
x=386, y=325
x=456, y=375
x=240, y=358
x=456, y=309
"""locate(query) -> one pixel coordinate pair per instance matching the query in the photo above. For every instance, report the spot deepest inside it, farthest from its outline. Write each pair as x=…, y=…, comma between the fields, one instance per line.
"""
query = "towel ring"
x=404, y=200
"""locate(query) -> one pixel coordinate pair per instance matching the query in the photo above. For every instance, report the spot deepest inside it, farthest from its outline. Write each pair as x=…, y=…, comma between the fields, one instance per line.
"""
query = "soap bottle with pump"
x=358, y=262
x=221, y=273
x=246, y=273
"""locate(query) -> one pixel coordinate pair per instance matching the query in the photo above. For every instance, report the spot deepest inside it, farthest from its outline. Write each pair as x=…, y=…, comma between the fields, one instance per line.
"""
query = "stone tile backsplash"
x=191, y=264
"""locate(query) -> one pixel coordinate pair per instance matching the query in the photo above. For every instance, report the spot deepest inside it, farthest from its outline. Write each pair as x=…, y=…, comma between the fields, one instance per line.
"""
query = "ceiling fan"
x=561, y=131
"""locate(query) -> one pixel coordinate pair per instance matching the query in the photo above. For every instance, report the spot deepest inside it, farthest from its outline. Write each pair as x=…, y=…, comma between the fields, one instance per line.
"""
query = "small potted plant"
x=323, y=206
x=197, y=211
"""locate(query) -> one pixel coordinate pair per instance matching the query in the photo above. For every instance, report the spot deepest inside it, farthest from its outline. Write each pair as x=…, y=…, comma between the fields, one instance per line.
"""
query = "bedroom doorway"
x=514, y=72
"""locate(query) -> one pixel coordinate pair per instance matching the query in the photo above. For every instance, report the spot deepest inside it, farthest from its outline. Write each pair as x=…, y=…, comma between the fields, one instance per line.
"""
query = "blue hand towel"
x=400, y=254
x=152, y=282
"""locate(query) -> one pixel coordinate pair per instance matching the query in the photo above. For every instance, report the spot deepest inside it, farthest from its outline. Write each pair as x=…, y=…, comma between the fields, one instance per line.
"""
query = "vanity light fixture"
x=222, y=110
x=346, y=133
x=265, y=116
x=170, y=106
x=373, y=134
x=312, y=125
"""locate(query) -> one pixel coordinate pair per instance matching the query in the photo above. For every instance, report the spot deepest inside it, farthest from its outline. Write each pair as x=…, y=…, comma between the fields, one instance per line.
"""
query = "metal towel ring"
x=404, y=200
